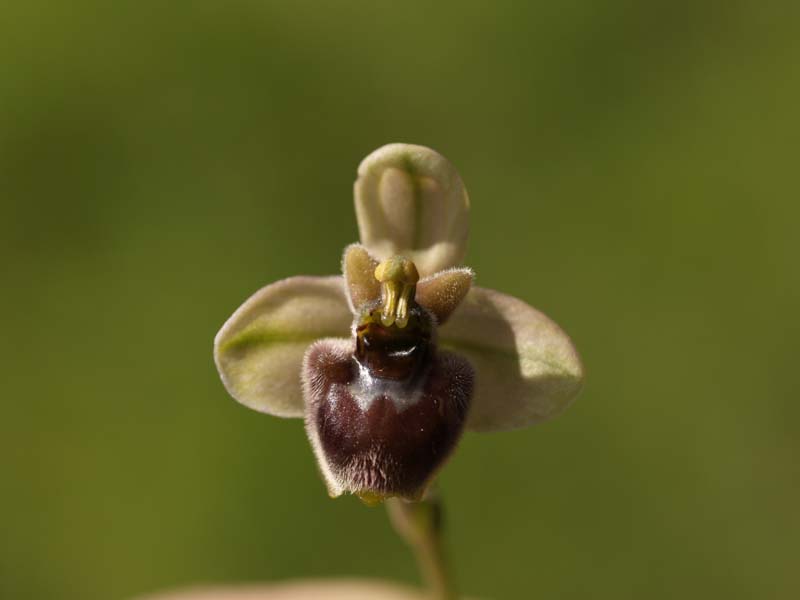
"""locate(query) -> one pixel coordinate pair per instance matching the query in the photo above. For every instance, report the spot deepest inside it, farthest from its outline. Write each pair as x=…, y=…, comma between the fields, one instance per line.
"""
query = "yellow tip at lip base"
x=371, y=499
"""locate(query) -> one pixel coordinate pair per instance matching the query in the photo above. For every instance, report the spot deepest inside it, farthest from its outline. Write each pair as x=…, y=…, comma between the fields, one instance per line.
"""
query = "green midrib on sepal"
x=250, y=339
x=411, y=170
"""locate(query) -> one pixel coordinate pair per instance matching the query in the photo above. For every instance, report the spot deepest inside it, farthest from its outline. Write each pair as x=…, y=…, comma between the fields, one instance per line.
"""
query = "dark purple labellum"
x=384, y=418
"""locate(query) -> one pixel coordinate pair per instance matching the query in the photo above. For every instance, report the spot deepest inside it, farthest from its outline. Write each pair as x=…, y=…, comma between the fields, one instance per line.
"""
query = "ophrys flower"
x=391, y=362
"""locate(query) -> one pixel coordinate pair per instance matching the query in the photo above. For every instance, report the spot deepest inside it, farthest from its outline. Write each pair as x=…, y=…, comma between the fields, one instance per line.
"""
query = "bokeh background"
x=633, y=172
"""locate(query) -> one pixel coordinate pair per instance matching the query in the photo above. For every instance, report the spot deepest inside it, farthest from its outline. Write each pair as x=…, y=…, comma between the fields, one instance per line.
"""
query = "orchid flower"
x=389, y=363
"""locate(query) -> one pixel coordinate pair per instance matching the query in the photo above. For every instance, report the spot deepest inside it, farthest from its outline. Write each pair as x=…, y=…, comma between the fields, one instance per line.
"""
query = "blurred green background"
x=633, y=172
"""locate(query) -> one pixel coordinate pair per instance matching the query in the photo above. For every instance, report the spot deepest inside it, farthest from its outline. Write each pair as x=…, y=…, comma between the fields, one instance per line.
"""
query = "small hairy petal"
x=358, y=267
x=443, y=292
x=526, y=368
x=411, y=201
x=259, y=350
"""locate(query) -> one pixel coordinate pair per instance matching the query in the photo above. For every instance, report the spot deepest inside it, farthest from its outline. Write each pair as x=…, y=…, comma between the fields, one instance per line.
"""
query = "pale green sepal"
x=526, y=368
x=259, y=350
x=411, y=201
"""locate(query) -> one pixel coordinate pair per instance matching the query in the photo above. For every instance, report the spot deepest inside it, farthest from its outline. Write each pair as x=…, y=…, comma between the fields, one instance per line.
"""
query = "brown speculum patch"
x=395, y=353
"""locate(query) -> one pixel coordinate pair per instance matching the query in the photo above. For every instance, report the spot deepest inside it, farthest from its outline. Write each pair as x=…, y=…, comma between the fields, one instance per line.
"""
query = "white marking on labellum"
x=366, y=388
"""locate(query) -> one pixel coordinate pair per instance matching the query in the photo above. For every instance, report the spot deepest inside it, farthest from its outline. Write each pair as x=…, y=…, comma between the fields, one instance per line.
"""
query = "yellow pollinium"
x=398, y=276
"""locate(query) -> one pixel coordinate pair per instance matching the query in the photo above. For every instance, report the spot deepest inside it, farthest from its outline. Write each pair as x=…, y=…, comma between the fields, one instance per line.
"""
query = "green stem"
x=420, y=525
